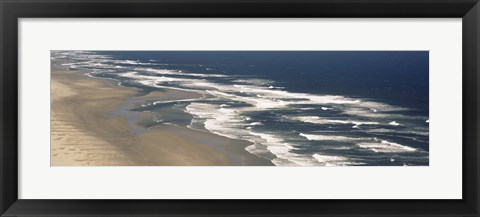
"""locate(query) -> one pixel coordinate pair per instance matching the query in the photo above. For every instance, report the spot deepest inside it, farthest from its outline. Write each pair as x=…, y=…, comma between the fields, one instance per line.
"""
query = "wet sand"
x=85, y=130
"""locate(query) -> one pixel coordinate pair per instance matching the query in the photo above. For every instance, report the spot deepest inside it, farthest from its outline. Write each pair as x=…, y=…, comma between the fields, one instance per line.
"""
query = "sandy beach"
x=90, y=126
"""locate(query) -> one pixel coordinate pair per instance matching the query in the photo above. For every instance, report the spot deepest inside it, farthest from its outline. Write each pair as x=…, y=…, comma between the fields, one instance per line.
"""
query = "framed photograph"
x=239, y=108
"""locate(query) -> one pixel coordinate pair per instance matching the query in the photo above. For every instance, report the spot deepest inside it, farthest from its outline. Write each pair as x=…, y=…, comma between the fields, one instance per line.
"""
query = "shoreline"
x=90, y=126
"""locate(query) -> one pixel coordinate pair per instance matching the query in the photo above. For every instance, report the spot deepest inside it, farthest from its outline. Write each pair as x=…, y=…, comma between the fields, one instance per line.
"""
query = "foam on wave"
x=385, y=147
x=328, y=138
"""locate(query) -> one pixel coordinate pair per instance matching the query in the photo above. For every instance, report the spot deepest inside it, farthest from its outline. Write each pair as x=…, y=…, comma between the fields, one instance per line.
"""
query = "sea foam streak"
x=236, y=107
x=328, y=138
x=385, y=146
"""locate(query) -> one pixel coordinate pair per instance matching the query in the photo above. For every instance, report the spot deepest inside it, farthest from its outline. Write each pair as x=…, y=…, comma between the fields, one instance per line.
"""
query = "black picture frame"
x=12, y=10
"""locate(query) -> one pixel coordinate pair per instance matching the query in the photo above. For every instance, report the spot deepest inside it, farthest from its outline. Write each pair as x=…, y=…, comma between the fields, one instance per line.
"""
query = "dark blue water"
x=309, y=108
x=395, y=77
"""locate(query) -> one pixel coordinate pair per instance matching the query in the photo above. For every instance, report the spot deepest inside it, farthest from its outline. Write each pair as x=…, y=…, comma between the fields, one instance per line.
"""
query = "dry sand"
x=85, y=132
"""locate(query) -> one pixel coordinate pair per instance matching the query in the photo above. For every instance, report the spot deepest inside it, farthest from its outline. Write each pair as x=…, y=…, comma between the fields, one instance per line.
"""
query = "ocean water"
x=298, y=108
